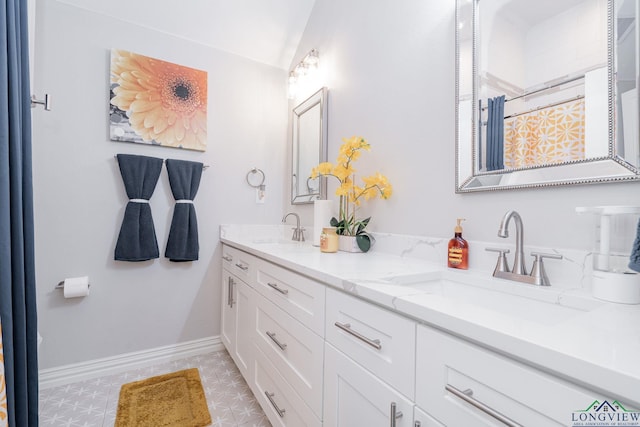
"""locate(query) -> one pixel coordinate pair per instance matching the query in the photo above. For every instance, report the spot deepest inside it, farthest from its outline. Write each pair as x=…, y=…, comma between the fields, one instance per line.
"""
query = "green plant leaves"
x=364, y=242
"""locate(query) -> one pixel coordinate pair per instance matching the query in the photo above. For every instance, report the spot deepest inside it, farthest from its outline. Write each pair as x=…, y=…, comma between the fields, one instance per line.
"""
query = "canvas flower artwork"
x=157, y=102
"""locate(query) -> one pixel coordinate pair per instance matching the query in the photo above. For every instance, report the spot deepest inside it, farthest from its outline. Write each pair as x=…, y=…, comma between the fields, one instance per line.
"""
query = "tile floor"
x=95, y=402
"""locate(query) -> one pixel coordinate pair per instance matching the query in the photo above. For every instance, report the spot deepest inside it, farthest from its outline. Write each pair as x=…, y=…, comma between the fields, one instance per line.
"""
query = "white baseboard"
x=81, y=371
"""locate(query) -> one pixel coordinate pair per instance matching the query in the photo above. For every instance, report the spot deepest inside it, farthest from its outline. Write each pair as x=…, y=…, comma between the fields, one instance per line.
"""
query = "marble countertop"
x=592, y=343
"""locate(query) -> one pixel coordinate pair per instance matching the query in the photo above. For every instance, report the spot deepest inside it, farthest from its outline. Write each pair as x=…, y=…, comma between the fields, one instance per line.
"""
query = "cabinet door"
x=422, y=419
x=354, y=397
x=462, y=384
x=382, y=341
x=294, y=350
x=281, y=404
x=245, y=324
x=228, y=322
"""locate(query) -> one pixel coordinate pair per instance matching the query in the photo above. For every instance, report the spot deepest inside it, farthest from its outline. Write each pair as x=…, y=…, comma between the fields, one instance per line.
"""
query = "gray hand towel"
x=634, y=260
x=495, y=133
x=184, y=178
x=137, y=238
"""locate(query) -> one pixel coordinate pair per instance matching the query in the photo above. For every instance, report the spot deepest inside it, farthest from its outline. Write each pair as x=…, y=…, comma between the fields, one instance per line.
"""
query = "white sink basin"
x=543, y=305
x=284, y=245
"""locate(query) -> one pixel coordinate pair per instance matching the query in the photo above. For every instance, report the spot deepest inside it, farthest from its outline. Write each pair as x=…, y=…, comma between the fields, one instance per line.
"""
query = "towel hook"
x=46, y=102
x=253, y=172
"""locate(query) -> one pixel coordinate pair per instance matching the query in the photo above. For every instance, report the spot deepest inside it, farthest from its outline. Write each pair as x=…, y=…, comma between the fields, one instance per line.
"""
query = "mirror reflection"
x=546, y=92
x=309, y=148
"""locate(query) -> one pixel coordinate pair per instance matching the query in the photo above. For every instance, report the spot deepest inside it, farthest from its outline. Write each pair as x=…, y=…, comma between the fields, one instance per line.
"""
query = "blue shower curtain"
x=17, y=271
x=495, y=133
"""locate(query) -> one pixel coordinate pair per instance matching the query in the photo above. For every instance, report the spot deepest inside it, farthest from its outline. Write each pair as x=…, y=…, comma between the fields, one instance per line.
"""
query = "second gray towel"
x=184, y=178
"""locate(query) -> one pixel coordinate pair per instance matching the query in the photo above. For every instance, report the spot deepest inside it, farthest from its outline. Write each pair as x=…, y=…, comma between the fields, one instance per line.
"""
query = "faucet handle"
x=301, y=234
x=537, y=271
x=501, y=265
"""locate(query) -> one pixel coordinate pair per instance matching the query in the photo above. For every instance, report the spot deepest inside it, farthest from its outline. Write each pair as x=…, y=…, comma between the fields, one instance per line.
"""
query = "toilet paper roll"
x=75, y=287
x=322, y=213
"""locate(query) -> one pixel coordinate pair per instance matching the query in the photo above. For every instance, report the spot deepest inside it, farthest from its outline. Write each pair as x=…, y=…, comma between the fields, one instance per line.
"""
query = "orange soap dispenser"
x=458, y=255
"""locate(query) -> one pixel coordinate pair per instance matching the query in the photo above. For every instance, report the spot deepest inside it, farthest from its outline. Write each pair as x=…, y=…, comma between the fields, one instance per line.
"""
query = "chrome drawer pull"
x=466, y=396
x=227, y=258
x=230, y=292
x=417, y=424
x=394, y=414
x=272, y=335
x=277, y=288
x=242, y=267
x=275, y=406
x=347, y=328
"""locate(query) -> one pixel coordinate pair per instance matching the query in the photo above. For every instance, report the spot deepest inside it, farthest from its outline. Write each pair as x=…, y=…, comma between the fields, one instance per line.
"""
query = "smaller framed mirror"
x=309, y=148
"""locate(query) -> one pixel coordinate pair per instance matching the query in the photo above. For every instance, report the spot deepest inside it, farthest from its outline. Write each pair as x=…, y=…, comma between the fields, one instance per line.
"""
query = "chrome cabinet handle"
x=347, y=328
x=417, y=424
x=230, y=292
x=242, y=267
x=394, y=414
x=272, y=335
x=467, y=397
x=278, y=288
x=274, y=404
x=227, y=258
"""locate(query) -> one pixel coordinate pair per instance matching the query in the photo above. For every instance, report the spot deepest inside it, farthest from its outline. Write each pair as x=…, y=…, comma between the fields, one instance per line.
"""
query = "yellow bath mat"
x=172, y=400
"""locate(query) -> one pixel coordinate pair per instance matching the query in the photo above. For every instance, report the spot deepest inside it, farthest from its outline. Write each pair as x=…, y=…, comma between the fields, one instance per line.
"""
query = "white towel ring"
x=250, y=174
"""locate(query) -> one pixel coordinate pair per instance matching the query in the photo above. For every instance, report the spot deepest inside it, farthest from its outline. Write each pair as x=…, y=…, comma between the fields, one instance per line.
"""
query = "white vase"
x=348, y=244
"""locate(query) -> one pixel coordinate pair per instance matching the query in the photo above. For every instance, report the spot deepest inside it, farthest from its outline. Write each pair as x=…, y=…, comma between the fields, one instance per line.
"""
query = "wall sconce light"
x=306, y=66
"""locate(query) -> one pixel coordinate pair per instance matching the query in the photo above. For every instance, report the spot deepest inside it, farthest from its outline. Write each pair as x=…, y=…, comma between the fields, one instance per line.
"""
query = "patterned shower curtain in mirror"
x=17, y=271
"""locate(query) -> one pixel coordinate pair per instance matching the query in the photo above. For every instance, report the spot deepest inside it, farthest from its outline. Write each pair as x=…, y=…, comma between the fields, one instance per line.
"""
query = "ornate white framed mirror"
x=546, y=93
x=309, y=148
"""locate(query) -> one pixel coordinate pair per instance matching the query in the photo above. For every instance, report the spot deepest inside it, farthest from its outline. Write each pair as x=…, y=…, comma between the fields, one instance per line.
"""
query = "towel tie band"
x=184, y=201
x=139, y=201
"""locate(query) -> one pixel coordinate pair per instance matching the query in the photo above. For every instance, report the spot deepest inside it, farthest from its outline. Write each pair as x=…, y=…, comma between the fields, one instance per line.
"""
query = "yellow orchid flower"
x=351, y=195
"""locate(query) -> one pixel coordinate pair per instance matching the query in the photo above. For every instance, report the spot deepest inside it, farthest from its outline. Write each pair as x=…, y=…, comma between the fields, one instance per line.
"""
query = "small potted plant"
x=351, y=230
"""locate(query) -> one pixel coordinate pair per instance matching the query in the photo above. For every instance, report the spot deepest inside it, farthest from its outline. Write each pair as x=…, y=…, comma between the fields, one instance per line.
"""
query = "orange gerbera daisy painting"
x=157, y=102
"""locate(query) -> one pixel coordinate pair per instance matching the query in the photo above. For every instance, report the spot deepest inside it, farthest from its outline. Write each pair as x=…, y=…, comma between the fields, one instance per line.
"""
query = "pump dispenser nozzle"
x=458, y=228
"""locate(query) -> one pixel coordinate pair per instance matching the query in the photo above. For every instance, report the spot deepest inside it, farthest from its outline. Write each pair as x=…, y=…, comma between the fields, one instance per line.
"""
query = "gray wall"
x=80, y=199
x=390, y=70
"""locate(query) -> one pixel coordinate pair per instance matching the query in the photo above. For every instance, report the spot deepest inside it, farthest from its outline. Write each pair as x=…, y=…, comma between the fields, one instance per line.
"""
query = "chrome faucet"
x=503, y=231
x=298, y=232
x=518, y=273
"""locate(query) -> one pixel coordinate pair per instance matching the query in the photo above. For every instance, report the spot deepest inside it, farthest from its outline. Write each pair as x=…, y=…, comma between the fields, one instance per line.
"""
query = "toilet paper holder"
x=60, y=285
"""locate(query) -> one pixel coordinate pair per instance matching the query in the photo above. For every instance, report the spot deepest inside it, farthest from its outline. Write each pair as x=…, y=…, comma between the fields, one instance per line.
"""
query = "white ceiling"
x=266, y=31
x=533, y=12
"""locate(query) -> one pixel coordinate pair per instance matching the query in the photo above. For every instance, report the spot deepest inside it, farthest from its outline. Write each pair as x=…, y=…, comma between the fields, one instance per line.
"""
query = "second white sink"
x=547, y=306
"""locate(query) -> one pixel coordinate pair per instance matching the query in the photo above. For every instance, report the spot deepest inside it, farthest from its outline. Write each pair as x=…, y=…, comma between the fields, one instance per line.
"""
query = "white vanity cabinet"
x=278, y=317
x=281, y=403
x=382, y=341
x=239, y=263
x=295, y=351
x=369, y=364
x=422, y=419
x=238, y=318
x=317, y=356
x=462, y=384
x=353, y=396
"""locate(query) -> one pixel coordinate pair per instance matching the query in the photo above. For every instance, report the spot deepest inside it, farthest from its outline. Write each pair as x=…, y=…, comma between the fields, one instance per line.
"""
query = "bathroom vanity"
x=381, y=339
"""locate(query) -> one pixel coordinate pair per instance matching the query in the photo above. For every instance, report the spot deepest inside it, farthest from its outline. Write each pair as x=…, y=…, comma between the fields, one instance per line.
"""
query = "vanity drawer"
x=294, y=350
x=523, y=394
x=381, y=341
x=297, y=295
x=280, y=402
x=239, y=263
